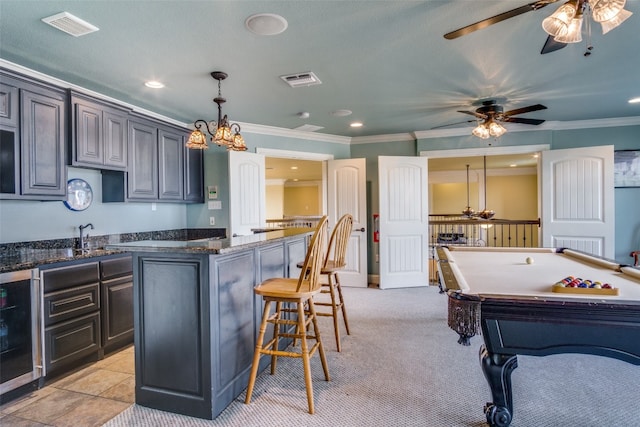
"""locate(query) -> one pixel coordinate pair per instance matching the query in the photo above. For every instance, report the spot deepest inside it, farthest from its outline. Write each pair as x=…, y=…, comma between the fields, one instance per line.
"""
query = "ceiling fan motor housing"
x=490, y=109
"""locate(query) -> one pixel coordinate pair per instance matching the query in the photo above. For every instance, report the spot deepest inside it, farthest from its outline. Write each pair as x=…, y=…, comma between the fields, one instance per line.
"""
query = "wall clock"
x=79, y=194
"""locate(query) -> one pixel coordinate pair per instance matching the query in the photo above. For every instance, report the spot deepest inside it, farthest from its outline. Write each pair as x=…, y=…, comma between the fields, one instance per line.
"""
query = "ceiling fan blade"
x=551, y=45
x=473, y=113
x=453, y=124
x=498, y=18
x=523, y=121
x=517, y=111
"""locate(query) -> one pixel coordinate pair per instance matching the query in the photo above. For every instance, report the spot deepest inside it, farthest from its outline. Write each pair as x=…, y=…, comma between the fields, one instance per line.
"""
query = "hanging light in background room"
x=468, y=211
x=485, y=213
x=222, y=133
x=565, y=24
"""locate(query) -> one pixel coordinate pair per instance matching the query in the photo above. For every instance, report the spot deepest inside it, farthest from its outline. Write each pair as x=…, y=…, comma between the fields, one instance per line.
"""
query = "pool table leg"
x=497, y=369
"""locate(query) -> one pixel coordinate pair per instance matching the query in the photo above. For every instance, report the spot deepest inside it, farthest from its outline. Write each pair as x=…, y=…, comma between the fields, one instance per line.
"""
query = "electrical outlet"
x=212, y=220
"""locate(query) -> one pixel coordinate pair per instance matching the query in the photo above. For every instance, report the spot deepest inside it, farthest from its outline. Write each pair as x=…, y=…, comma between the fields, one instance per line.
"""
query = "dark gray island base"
x=196, y=317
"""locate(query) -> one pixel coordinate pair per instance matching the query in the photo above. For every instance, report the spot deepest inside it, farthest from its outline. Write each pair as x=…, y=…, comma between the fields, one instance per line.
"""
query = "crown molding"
x=336, y=139
x=394, y=137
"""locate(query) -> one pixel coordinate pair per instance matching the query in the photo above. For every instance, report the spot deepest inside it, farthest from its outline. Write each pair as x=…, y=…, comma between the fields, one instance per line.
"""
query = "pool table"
x=512, y=302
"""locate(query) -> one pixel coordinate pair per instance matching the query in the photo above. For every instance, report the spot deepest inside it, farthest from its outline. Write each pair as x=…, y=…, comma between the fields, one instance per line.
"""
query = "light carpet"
x=402, y=366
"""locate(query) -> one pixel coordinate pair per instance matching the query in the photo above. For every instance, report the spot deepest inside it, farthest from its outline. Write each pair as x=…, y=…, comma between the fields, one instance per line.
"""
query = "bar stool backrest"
x=339, y=241
x=309, y=279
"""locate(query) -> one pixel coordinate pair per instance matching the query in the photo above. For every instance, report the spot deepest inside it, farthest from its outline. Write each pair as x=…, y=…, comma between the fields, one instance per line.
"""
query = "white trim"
x=396, y=137
x=66, y=85
x=485, y=151
x=293, y=133
x=278, y=182
x=289, y=154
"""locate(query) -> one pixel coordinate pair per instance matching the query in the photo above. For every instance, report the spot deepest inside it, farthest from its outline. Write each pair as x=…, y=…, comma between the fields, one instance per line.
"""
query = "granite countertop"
x=209, y=245
x=33, y=258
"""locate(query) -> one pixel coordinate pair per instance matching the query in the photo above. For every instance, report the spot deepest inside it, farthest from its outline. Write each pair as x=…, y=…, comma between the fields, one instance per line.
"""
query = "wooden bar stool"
x=333, y=263
x=298, y=292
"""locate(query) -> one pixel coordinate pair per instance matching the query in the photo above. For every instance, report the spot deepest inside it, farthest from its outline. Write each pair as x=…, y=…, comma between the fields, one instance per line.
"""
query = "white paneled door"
x=404, y=222
x=577, y=200
x=347, y=193
x=247, y=208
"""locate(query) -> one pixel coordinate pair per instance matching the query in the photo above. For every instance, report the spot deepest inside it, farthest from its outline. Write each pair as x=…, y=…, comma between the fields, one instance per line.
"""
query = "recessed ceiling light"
x=634, y=100
x=266, y=24
x=513, y=165
x=153, y=84
x=356, y=125
x=294, y=168
x=341, y=113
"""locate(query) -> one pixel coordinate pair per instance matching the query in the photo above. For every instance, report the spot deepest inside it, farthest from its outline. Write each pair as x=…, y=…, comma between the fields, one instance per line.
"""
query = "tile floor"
x=88, y=397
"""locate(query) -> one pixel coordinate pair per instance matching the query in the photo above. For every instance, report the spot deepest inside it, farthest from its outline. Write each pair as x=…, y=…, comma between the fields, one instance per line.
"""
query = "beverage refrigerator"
x=20, y=331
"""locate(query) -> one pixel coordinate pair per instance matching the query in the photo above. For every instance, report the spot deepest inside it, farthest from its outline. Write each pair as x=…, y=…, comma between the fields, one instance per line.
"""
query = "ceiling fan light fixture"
x=481, y=132
x=496, y=129
x=604, y=10
x=573, y=33
x=558, y=22
x=615, y=21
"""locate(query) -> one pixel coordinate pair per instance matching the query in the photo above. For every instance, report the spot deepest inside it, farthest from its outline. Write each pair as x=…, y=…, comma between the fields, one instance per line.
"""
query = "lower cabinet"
x=71, y=313
x=117, y=302
x=87, y=310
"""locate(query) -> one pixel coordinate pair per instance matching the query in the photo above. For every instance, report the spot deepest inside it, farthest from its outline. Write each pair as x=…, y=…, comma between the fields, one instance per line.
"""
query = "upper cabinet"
x=33, y=129
x=160, y=167
x=98, y=134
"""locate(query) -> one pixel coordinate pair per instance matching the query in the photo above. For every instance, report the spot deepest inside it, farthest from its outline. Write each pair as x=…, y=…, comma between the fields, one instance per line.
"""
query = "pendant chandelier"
x=565, y=24
x=222, y=133
x=468, y=211
x=485, y=213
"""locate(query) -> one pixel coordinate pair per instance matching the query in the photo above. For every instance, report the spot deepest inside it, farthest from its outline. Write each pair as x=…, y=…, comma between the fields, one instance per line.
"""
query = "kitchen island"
x=196, y=317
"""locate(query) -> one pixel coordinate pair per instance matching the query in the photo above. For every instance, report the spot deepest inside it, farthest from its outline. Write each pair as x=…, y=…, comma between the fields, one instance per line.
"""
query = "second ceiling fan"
x=549, y=46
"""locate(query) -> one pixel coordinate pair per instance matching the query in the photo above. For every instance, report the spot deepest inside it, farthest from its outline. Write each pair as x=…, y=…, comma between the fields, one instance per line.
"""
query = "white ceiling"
x=387, y=61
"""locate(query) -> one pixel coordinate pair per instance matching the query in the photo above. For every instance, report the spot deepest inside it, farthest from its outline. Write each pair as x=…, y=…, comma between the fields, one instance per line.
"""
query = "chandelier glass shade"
x=565, y=24
x=222, y=133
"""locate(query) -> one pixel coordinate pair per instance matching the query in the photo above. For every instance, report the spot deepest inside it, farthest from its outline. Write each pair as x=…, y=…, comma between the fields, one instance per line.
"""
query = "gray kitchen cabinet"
x=142, y=180
x=8, y=105
x=116, y=291
x=71, y=312
x=99, y=134
x=193, y=175
x=160, y=167
x=170, y=164
x=33, y=121
x=87, y=310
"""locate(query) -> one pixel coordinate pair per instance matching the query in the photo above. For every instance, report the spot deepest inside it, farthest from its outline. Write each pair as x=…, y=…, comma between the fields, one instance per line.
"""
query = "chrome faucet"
x=83, y=244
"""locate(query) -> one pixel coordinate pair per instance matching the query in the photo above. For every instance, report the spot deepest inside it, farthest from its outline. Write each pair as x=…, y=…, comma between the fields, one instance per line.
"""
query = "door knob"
x=360, y=229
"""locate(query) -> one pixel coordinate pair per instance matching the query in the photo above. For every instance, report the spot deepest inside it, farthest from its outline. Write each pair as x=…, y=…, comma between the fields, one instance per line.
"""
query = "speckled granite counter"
x=33, y=258
x=32, y=254
x=210, y=245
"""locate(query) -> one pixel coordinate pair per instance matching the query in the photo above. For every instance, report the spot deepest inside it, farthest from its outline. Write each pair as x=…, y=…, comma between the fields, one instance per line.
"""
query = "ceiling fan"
x=491, y=111
x=549, y=46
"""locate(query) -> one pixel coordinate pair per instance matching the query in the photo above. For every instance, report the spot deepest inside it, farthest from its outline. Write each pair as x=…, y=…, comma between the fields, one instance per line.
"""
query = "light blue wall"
x=217, y=171
x=26, y=220
x=627, y=200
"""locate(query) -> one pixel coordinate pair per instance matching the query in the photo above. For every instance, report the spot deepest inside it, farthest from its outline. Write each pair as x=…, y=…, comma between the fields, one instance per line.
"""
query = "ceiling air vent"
x=70, y=24
x=301, y=79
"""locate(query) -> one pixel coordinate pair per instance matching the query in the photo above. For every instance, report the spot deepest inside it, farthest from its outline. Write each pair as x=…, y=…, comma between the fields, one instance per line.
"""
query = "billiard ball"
x=596, y=286
x=529, y=260
x=606, y=286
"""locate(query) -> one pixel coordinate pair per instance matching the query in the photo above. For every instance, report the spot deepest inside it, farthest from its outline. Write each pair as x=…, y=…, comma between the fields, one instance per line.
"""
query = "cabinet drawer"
x=70, y=276
x=72, y=340
x=116, y=267
x=70, y=303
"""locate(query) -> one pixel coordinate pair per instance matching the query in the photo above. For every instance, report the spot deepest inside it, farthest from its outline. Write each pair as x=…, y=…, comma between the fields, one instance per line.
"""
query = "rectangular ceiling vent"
x=70, y=24
x=301, y=79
